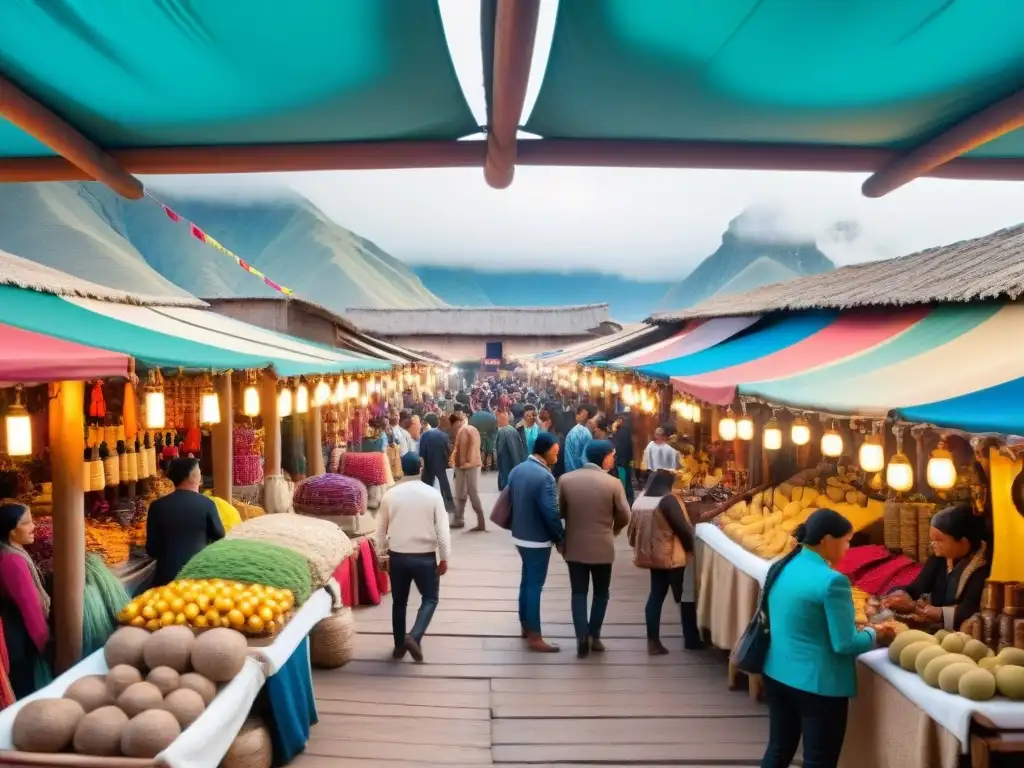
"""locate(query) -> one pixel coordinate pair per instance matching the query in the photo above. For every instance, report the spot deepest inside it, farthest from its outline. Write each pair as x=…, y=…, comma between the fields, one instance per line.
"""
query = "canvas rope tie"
x=203, y=237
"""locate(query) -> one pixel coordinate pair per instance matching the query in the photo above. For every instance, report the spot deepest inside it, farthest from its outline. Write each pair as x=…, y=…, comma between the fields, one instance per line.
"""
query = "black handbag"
x=752, y=649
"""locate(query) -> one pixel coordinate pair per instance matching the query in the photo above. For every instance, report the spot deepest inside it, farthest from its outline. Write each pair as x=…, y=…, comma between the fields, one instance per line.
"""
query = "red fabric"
x=7, y=696
x=369, y=586
x=343, y=575
x=28, y=356
x=874, y=581
x=903, y=577
x=859, y=559
x=20, y=587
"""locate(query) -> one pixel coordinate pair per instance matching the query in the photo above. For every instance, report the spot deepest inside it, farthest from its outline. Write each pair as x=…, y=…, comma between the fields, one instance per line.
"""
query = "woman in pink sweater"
x=24, y=603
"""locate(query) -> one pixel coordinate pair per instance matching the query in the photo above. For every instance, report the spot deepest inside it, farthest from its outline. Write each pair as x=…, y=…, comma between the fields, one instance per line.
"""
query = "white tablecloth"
x=204, y=743
x=753, y=566
x=950, y=711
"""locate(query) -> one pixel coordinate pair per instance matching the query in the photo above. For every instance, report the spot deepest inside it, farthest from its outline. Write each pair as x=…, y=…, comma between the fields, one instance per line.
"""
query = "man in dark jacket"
x=623, y=441
x=182, y=523
x=536, y=528
x=435, y=450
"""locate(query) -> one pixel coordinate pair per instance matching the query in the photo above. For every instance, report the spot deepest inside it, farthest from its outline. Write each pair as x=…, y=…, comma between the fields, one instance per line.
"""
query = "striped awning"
x=172, y=337
x=694, y=337
x=594, y=350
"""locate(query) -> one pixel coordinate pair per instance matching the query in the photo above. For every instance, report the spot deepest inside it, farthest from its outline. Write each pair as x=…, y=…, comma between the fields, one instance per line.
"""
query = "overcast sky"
x=643, y=223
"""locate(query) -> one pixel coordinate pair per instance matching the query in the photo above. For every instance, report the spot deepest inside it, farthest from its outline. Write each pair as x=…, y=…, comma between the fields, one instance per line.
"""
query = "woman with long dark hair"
x=809, y=672
x=24, y=603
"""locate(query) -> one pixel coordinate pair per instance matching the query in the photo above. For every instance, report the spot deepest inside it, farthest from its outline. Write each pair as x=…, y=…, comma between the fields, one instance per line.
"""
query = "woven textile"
x=248, y=470
x=858, y=560
x=370, y=468
x=331, y=495
x=875, y=579
x=322, y=544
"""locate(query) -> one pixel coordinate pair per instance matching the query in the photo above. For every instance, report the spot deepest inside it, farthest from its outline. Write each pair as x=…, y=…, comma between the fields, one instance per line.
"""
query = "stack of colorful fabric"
x=876, y=570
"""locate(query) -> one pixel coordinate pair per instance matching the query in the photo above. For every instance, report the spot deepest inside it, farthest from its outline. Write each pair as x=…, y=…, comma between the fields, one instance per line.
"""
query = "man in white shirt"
x=412, y=527
x=400, y=433
x=659, y=454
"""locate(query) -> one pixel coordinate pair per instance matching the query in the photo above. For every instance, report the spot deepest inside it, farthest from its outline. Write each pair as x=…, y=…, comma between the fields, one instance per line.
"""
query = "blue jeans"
x=662, y=579
x=405, y=571
x=580, y=575
x=531, y=584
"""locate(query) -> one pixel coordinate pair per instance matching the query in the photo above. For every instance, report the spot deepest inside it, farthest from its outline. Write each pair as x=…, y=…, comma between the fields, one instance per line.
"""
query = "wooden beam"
x=515, y=29
x=990, y=123
x=67, y=425
x=46, y=127
x=470, y=154
x=222, y=441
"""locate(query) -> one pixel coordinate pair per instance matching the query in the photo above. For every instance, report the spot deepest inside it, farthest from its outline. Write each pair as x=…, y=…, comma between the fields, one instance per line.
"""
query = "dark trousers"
x=820, y=720
x=407, y=570
x=531, y=584
x=625, y=475
x=580, y=576
x=438, y=470
x=662, y=579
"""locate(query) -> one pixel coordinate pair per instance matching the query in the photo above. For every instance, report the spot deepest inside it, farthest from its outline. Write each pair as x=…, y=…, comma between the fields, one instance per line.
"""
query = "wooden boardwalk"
x=481, y=699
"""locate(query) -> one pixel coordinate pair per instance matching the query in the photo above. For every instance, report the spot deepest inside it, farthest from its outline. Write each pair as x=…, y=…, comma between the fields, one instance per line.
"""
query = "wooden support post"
x=314, y=449
x=222, y=440
x=271, y=425
x=67, y=440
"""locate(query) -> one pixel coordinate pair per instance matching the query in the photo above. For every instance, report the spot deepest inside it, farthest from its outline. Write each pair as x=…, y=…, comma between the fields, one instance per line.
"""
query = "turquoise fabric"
x=995, y=409
x=764, y=339
x=850, y=72
x=181, y=72
x=815, y=641
x=49, y=314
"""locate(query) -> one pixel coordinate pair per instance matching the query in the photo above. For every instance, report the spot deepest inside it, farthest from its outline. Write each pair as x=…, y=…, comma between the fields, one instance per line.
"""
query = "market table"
x=899, y=721
x=729, y=584
x=206, y=741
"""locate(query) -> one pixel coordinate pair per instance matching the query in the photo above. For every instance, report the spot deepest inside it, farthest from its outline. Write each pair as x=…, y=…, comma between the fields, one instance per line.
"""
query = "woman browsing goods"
x=809, y=670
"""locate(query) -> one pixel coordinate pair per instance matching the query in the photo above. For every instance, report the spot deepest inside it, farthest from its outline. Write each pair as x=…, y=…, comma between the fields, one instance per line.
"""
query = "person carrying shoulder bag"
x=809, y=662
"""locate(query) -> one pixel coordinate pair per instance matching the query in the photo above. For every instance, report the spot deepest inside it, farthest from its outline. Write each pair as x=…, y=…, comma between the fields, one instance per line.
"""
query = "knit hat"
x=543, y=443
x=597, y=450
x=411, y=463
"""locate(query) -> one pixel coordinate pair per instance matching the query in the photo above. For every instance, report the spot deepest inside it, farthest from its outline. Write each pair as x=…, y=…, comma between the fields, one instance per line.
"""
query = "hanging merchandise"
x=97, y=405
x=129, y=408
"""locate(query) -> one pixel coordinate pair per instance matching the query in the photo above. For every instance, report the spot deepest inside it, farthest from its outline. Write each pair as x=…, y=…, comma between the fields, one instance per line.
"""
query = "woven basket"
x=891, y=525
x=332, y=641
x=247, y=511
x=924, y=528
x=251, y=748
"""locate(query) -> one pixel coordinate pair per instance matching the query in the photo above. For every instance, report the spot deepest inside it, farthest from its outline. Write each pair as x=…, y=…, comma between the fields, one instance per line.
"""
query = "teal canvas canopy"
x=856, y=73
x=173, y=337
x=181, y=73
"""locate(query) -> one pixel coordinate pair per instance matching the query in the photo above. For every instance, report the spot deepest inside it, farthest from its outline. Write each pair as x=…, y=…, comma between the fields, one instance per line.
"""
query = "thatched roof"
x=989, y=267
x=309, y=307
x=29, y=275
x=484, y=321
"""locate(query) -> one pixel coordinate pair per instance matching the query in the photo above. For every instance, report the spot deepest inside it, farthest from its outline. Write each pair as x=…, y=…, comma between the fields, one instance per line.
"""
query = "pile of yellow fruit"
x=250, y=608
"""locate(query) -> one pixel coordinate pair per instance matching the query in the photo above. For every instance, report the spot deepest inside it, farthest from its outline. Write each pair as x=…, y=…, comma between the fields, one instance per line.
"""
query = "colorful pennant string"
x=200, y=235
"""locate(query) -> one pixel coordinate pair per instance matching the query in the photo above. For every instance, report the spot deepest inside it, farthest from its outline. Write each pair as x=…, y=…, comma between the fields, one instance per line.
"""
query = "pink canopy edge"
x=696, y=335
x=28, y=356
x=851, y=334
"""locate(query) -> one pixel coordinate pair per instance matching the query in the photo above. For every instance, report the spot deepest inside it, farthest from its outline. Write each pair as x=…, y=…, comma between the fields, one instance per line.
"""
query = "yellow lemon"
x=149, y=611
x=236, y=618
x=138, y=621
x=246, y=608
x=203, y=601
x=167, y=618
x=180, y=618
x=255, y=623
x=177, y=605
x=153, y=625
x=271, y=627
x=162, y=606
x=199, y=622
x=223, y=604
x=213, y=618
x=225, y=622
x=266, y=614
x=191, y=611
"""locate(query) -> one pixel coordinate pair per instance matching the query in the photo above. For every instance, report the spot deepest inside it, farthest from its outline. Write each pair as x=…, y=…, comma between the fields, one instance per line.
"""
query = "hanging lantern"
x=772, y=437
x=614, y=386
x=800, y=432
x=696, y=412
x=832, y=443
x=899, y=474
x=302, y=398
x=340, y=391
x=321, y=394
x=284, y=402
x=597, y=380
x=209, y=404
x=871, y=454
x=727, y=426
x=18, y=426
x=364, y=400
x=745, y=425
x=251, y=399
x=574, y=377
x=156, y=407
x=353, y=389
x=941, y=471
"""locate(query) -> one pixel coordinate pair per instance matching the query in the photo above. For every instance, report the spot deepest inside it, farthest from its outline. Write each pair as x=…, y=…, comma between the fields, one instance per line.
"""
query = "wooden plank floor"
x=481, y=699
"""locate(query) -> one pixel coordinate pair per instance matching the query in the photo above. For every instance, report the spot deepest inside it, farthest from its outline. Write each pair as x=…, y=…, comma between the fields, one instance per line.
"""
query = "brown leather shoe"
x=399, y=652
x=538, y=644
x=596, y=645
x=655, y=648
x=414, y=648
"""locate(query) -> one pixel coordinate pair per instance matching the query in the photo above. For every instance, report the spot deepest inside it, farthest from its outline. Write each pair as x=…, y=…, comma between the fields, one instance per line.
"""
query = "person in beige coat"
x=594, y=506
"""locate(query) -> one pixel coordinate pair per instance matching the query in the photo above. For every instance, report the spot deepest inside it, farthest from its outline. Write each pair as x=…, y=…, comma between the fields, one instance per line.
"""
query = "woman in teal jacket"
x=810, y=671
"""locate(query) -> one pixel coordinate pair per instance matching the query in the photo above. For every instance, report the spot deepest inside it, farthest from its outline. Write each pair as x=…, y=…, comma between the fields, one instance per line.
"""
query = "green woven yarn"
x=104, y=598
x=253, y=562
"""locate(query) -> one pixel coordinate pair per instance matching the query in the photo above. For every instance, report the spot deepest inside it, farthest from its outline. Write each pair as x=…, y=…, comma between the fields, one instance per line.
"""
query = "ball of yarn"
x=330, y=495
x=251, y=562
